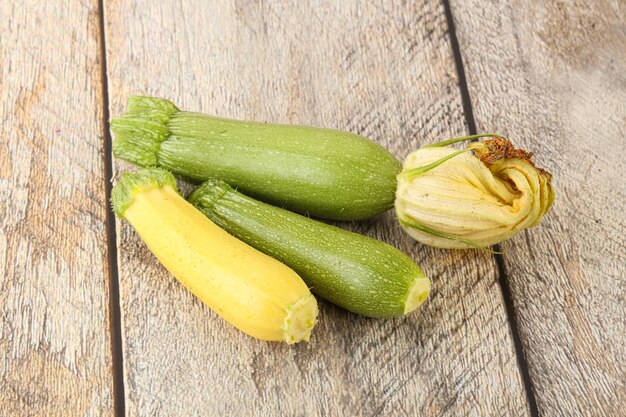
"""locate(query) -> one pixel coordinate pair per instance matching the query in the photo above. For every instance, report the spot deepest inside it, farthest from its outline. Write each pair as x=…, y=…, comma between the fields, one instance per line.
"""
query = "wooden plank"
x=552, y=77
x=55, y=353
x=383, y=71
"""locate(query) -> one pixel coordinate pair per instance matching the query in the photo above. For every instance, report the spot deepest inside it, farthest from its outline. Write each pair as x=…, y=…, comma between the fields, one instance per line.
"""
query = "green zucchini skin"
x=356, y=272
x=320, y=172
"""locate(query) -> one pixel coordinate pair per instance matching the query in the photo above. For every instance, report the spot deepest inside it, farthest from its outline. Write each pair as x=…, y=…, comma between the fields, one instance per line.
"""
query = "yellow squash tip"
x=300, y=320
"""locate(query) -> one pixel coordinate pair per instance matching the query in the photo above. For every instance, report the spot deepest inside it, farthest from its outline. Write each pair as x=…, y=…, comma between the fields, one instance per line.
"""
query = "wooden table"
x=90, y=324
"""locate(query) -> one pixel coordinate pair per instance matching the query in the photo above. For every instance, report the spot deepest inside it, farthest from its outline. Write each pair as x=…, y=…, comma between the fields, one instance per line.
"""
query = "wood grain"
x=385, y=71
x=552, y=77
x=55, y=355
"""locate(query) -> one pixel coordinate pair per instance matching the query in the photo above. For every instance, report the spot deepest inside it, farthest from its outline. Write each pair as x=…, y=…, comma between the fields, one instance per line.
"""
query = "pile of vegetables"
x=255, y=263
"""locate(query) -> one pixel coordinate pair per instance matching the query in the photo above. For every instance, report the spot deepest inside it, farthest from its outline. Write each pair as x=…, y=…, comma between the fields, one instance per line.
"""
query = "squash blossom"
x=475, y=197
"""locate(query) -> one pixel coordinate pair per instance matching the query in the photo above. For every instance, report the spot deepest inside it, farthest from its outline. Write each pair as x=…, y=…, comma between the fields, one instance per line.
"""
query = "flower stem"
x=414, y=172
x=457, y=140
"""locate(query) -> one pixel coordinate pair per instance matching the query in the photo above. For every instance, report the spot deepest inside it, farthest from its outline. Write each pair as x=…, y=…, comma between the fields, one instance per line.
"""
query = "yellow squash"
x=254, y=292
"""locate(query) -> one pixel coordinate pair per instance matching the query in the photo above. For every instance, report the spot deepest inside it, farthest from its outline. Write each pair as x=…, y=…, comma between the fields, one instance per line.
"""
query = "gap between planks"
x=498, y=257
x=117, y=352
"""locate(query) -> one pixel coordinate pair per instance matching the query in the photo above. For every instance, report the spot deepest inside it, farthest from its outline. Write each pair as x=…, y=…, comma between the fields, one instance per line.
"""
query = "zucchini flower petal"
x=475, y=197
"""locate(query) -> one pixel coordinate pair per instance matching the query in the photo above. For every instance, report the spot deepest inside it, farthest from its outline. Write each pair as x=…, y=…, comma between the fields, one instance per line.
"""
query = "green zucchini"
x=322, y=172
x=358, y=273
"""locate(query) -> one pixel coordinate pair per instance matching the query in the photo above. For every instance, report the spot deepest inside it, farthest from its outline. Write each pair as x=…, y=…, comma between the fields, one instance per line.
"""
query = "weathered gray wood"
x=385, y=71
x=55, y=353
x=552, y=77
